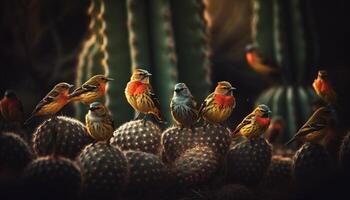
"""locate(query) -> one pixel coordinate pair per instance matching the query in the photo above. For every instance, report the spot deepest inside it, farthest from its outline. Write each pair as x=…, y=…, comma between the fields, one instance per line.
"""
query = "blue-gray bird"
x=99, y=122
x=183, y=106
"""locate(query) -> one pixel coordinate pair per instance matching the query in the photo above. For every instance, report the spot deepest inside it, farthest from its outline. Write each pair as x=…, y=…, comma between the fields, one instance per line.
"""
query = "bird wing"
x=83, y=89
x=309, y=128
x=205, y=104
x=154, y=97
x=46, y=100
x=245, y=121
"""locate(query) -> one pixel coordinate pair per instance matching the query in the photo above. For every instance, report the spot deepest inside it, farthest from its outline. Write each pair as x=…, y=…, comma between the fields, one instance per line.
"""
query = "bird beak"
x=92, y=108
x=177, y=90
x=70, y=86
x=109, y=79
x=267, y=114
x=232, y=88
x=148, y=74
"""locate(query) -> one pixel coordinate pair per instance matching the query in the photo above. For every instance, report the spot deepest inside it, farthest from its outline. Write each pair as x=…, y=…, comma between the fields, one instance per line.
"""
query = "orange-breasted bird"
x=316, y=127
x=324, y=88
x=99, y=122
x=183, y=106
x=140, y=95
x=218, y=106
x=11, y=108
x=259, y=62
x=255, y=124
x=92, y=90
x=53, y=102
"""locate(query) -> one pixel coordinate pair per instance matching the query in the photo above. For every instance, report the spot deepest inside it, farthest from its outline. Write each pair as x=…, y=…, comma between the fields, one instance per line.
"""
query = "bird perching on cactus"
x=140, y=95
x=92, y=90
x=255, y=124
x=218, y=106
x=11, y=108
x=324, y=88
x=99, y=122
x=316, y=128
x=53, y=102
x=183, y=106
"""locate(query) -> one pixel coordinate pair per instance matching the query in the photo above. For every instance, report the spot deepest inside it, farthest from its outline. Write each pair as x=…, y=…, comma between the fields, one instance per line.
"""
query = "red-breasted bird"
x=11, y=108
x=140, y=95
x=255, y=124
x=53, y=102
x=99, y=122
x=324, y=88
x=259, y=62
x=92, y=90
x=183, y=106
x=316, y=127
x=218, y=106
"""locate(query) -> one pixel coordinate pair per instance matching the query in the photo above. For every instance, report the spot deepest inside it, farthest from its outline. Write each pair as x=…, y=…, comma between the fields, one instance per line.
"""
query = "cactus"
x=281, y=32
x=60, y=136
x=148, y=41
x=235, y=191
x=344, y=153
x=248, y=161
x=195, y=166
x=52, y=178
x=137, y=135
x=105, y=50
x=104, y=170
x=176, y=141
x=15, y=153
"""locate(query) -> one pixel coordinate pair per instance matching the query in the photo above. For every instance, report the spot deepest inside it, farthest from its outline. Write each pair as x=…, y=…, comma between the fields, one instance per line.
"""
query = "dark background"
x=40, y=41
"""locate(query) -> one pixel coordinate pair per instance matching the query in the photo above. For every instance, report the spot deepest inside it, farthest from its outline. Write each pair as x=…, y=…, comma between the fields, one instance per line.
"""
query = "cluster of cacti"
x=284, y=34
x=163, y=36
x=60, y=136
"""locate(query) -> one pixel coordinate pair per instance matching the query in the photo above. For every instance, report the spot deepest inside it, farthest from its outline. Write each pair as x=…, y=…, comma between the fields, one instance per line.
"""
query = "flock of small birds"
x=214, y=111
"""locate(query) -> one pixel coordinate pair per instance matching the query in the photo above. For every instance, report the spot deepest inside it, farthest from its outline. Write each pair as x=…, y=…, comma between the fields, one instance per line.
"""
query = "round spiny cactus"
x=248, y=161
x=279, y=173
x=52, y=178
x=15, y=153
x=104, y=170
x=138, y=135
x=195, y=165
x=234, y=192
x=147, y=171
x=176, y=141
x=344, y=154
x=312, y=164
x=62, y=136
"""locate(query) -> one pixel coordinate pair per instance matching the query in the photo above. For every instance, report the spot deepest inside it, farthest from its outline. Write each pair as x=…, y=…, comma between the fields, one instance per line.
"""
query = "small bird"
x=255, y=124
x=258, y=62
x=99, y=122
x=323, y=88
x=315, y=129
x=140, y=95
x=218, y=106
x=11, y=108
x=183, y=106
x=91, y=90
x=53, y=102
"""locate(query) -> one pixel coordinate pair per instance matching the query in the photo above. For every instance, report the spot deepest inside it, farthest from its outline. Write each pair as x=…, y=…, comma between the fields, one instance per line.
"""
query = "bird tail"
x=290, y=141
x=159, y=116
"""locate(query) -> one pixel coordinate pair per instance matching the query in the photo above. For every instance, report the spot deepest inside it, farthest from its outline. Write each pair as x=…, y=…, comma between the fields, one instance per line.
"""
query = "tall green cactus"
x=279, y=28
x=145, y=34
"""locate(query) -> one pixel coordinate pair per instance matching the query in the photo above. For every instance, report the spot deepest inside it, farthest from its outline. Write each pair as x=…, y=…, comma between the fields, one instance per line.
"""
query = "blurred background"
x=41, y=42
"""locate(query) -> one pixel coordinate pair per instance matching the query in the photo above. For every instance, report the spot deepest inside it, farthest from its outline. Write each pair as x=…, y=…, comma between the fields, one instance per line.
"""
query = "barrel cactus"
x=138, y=135
x=60, y=135
x=289, y=41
